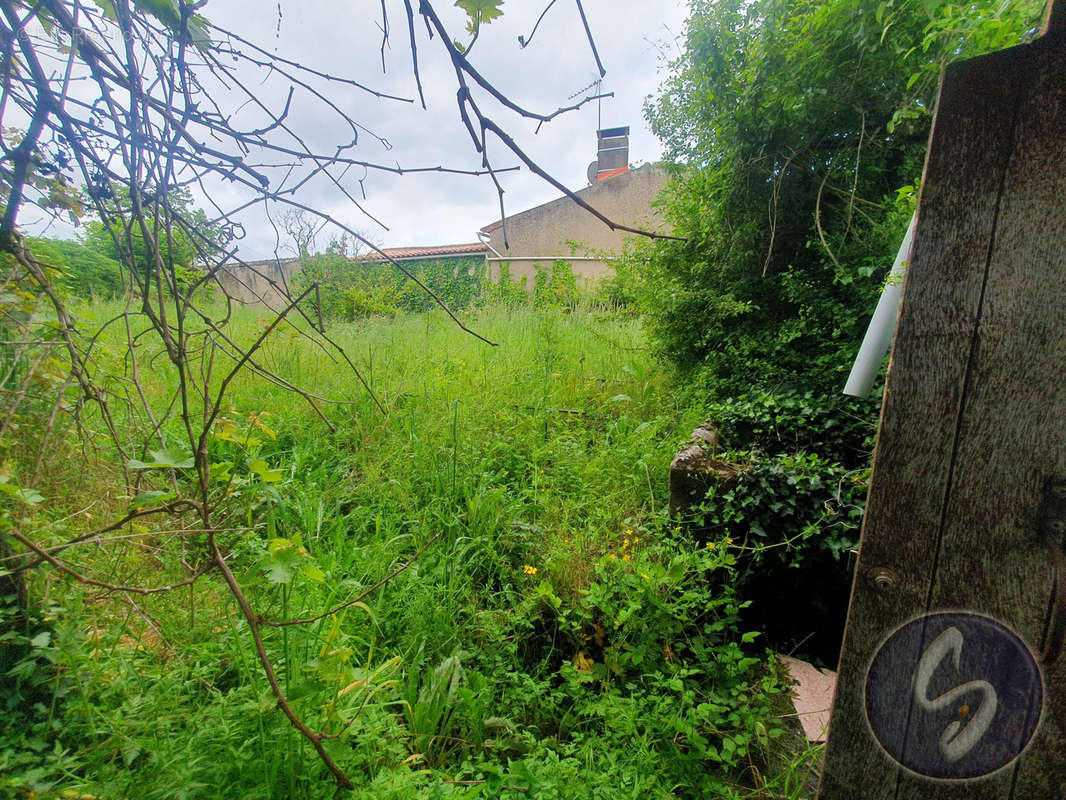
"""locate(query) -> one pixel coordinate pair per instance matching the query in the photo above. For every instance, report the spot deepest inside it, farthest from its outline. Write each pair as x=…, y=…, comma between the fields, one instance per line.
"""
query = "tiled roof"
x=444, y=250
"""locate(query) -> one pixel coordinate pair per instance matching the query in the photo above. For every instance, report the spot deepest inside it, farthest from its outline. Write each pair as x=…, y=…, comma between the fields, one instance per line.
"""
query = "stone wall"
x=251, y=282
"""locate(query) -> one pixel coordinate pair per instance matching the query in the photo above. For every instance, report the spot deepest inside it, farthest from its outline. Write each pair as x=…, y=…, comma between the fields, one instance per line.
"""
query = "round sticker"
x=954, y=696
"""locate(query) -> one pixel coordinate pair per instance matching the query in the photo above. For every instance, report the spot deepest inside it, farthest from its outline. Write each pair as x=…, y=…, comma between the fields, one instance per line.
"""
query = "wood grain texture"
x=1024, y=359
x=974, y=416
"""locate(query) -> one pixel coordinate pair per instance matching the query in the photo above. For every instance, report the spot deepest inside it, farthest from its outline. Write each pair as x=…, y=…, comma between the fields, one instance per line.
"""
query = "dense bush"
x=351, y=289
x=831, y=426
x=82, y=270
x=798, y=129
x=797, y=132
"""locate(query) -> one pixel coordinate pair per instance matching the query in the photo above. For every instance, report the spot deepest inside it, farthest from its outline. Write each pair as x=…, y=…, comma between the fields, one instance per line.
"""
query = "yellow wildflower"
x=710, y=545
x=529, y=570
x=728, y=542
x=644, y=575
x=626, y=557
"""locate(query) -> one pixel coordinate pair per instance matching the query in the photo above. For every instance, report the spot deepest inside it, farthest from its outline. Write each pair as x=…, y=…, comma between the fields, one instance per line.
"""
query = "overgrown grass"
x=554, y=635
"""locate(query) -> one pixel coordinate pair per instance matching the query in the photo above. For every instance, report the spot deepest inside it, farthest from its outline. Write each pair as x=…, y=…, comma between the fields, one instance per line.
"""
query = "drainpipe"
x=486, y=239
x=882, y=326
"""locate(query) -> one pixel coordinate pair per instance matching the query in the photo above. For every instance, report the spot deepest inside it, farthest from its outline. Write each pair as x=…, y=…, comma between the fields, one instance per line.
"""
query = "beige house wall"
x=542, y=234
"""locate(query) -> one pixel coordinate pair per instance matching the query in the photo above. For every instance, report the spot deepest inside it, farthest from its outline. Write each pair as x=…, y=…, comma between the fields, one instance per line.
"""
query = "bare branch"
x=362, y=596
x=111, y=587
x=252, y=619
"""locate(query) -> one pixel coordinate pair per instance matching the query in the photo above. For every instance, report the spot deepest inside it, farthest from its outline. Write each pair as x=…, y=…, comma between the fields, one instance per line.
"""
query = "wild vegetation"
x=797, y=131
x=551, y=629
x=285, y=555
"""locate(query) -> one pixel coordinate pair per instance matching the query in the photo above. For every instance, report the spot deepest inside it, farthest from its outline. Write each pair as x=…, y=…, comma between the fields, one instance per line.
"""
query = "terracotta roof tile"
x=399, y=253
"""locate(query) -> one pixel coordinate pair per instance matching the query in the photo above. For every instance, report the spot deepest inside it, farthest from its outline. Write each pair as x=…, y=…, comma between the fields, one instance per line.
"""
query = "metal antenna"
x=599, y=105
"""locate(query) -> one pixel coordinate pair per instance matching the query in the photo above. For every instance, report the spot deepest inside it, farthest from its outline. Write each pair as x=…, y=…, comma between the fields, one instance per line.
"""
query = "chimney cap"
x=607, y=133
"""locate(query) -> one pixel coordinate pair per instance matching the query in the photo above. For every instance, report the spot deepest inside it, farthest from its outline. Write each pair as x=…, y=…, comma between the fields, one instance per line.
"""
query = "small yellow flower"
x=625, y=558
x=644, y=575
x=529, y=570
x=728, y=542
x=625, y=543
x=710, y=545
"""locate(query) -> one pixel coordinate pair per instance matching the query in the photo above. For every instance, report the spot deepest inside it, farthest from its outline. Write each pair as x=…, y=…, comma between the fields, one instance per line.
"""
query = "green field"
x=541, y=628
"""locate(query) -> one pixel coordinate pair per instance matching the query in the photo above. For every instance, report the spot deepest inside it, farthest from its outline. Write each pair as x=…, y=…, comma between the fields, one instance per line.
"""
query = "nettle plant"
x=124, y=131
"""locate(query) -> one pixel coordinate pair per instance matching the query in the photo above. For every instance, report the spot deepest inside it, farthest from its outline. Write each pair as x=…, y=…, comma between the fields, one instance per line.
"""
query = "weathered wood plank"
x=1021, y=368
x=955, y=475
x=1010, y=436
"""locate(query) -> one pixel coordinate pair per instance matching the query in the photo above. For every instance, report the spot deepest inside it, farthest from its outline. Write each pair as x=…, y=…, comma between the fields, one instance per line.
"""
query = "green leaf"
x=29, y=496
x=280, y=564
x=42, y=639
x=480, y=12
x=313, y=573
x=151, y=498
x=198, y=32
x=108, y=8
x=676, y=571
x=130, y=751
x=263, y=470
x=164, y=459
x=163, y=10
x=220, y=471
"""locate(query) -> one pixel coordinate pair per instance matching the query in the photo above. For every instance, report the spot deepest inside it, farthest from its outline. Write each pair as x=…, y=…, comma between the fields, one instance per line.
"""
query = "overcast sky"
x=634, y=37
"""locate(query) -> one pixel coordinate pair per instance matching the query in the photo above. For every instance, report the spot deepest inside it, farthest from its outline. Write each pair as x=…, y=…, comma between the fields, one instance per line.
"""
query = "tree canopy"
x=799, y=128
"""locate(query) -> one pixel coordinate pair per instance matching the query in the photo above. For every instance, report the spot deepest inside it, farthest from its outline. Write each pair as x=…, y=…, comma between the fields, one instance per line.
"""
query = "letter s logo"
x=956, y=740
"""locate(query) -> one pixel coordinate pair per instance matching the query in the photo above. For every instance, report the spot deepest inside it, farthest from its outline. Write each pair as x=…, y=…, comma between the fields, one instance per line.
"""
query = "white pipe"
x=553, y=258
x=486, y=240
x=882, y=326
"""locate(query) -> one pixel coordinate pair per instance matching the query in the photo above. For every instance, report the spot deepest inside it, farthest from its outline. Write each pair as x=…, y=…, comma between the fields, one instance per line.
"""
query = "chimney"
x=612, y=153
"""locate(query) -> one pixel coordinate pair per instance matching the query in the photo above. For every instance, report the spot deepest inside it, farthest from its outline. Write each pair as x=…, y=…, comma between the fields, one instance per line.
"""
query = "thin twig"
x=818, y=220
x=359, y=599
x=111, y=587
x=315, y=738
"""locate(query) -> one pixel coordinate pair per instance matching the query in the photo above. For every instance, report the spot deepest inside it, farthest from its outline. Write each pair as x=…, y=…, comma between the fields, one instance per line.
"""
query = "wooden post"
x=944, y=689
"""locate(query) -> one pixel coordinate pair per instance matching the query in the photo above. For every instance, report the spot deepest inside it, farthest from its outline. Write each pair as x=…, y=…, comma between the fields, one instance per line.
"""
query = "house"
x=537, y=237
x=561, y=229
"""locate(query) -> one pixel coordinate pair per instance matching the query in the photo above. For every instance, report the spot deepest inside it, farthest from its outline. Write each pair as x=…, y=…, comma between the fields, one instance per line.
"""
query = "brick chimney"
x=612, y=152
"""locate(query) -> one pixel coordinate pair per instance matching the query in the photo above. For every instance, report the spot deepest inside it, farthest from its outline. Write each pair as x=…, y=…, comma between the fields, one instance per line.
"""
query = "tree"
x=799, y=128
x=185, y=250
x=302, y=228
x=141, y=126
x=84, y=270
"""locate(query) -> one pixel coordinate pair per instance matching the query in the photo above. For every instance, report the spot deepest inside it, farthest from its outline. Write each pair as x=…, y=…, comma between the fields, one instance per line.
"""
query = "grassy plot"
x=517, y=616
